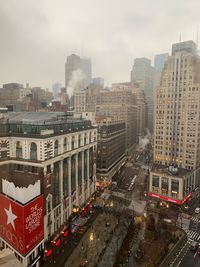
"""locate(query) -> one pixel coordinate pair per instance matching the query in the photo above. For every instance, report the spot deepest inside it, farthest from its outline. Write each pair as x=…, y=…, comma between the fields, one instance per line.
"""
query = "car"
x=197, y=210
x=194, y=246
x=74, y=229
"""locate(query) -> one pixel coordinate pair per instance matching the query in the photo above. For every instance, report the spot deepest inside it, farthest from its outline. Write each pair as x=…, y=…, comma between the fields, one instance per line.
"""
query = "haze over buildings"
x=39, y=41
x=143, y=74
x=116, y=140
x=78, y=73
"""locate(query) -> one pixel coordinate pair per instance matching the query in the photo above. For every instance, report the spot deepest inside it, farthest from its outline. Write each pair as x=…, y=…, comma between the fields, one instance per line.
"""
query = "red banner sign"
x=22, y=226
x=176, y=201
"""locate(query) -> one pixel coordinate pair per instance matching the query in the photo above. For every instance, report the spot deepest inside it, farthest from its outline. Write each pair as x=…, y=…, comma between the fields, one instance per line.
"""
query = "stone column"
x=61, y=187
x=88, y=173
x=169, y=187
x=180, y=189
x=150, y=182
x=76, y=177
x=160, y=184
x=69, y=185
x=82, y=177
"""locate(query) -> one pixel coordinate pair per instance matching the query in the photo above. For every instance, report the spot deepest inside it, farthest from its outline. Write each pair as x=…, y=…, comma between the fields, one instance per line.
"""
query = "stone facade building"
x=53, y=155
x=177, y=123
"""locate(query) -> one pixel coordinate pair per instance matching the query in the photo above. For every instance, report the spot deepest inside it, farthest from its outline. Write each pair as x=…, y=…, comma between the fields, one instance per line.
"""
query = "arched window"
x=56, y=148
x=33, y=151
x=4, y=149
x=18, y=149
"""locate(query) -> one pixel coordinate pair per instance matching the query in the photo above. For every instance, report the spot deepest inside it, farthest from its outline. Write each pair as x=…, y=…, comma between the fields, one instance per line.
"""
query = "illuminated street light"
x=91, y=237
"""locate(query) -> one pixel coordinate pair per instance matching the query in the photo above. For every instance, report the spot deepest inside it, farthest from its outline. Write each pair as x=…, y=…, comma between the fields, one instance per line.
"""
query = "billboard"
x=22, y=226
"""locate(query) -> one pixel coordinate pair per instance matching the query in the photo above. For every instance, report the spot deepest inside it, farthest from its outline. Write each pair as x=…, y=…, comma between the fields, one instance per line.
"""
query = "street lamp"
x=91, y=237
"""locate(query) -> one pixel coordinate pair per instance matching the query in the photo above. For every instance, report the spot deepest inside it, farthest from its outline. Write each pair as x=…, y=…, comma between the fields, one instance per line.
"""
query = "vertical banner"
x=22, y=226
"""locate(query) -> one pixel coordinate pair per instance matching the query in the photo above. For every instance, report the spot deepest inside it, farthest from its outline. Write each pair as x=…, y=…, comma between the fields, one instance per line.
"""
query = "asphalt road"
x=185, y=258
x=190, y=259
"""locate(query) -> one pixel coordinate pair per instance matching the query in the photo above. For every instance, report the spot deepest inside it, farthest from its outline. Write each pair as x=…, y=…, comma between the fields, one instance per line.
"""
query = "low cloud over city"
x=37, y=36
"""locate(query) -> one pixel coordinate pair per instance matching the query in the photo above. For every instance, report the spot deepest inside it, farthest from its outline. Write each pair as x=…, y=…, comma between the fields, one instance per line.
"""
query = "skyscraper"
x=143, y=74
x=86, y=67
x=83, y=65
x=177, y=125
x=56, y=87
x=159, y=62
x=72, y=64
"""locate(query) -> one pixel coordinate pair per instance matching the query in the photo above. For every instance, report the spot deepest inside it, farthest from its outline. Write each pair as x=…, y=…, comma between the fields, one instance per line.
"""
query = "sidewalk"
x=8, y=259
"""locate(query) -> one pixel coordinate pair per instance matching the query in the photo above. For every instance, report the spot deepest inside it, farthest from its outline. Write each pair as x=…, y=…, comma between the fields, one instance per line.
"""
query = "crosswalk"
x=193, y=235
x=195, y=219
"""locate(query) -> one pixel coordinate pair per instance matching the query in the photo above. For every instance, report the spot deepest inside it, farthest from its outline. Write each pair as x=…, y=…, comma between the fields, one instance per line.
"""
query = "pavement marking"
x=195, y=219
x=195, y=255
x=179, y=252
x=193, y=235
x=183, y=256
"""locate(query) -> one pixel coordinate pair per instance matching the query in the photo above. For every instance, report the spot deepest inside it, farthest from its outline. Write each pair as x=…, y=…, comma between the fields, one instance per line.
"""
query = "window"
x=33, y=151
x=73, y=142
x=56, y=148
x=4, y=154
x=48, y=169
x=155, y=181
x=34, y=169
x=175, y=186
x=65, y=143
x=20, y=167
x=79, y=140
x=164, y=183
x=18, y=149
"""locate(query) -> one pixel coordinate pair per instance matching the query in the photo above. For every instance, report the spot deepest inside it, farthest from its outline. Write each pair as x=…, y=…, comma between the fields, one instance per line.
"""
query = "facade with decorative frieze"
x=56, y=150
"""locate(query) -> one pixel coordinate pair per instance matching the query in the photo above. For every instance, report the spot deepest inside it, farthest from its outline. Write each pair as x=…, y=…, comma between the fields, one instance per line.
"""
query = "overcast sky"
x=36, y=36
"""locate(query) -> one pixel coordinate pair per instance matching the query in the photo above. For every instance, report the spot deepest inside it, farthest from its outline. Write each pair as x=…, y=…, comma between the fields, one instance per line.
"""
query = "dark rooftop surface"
x=165, y=170
x=33, y=123
x=37, y=117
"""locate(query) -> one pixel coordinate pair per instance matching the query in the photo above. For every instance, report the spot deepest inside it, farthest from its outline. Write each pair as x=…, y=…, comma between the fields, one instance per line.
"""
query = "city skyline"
x=42, y=34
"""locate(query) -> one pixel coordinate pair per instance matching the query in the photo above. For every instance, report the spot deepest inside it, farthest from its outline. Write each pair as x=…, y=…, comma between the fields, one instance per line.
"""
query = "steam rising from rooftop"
x=77, y=82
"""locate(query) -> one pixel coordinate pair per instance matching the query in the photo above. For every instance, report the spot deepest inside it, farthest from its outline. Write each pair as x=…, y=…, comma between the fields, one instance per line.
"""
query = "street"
x=184, y=257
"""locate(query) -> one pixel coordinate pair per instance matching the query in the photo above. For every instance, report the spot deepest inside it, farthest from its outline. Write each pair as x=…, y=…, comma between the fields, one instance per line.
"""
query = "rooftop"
x=34, y=117
x=173, y=171
x=41, y=123
x=187, y=46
